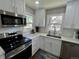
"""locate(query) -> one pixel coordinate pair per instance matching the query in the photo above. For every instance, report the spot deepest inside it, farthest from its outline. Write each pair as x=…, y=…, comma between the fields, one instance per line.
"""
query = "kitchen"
x=39, y=29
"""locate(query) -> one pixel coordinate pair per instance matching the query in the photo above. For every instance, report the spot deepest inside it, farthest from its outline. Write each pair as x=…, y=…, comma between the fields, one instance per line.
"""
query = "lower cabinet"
x=35, y=45
x=50, y=45
x=69, y=50
x=63, y=49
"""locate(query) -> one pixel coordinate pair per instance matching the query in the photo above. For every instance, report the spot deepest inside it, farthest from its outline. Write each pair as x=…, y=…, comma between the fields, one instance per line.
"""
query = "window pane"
x=29, y=19
x=56, y=19
x=28, y=26
x=57, y=27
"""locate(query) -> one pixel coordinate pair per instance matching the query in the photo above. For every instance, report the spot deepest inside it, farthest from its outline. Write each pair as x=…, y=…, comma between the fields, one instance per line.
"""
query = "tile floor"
x=44, y=55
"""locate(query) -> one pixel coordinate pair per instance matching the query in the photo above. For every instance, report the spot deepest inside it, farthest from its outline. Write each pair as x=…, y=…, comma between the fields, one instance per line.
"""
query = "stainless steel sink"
x=54, y=36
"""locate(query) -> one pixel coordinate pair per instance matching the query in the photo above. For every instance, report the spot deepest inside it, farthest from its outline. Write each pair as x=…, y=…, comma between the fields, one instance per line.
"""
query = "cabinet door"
x=6, y=5
x=40, y=18
x=19, y=6
x=76, y=20
x=42, y=42
x=51, y=45
x=48, y=45
x=69, y=15
x=1, y=4
x=36, y=21
x=35, y=45
x=56, y=47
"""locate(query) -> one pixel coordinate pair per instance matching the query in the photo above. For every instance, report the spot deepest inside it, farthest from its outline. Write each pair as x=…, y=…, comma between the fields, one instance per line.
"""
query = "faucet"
x=54, y=30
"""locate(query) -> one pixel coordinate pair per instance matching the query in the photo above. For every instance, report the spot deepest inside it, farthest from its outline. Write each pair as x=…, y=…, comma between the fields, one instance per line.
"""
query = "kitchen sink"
x=54, y=36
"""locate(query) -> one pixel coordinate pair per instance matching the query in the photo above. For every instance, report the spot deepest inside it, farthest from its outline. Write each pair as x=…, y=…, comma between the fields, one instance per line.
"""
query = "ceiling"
x=47, y=4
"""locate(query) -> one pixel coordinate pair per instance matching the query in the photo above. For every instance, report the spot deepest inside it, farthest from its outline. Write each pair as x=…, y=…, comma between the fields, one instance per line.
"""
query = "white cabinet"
x=51, y=45
x=40, y=18
x=76, y=18
x=35, y=45
x=16, y=6
x=6, y=5
x=19, y=6
x=42, y=43
x=69, y=15
x=71, y=19
x=48, y=44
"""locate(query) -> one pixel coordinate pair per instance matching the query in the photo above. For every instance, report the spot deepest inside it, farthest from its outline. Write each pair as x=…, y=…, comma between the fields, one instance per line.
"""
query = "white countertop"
x=32, y=36
x=70, y=40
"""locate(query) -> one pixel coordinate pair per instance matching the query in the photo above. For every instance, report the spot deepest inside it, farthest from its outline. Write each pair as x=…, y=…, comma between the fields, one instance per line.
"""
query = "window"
x=29, y=20
x=55, y=22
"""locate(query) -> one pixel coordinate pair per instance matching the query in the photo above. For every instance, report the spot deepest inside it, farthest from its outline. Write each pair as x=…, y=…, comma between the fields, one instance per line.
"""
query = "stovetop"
x=13, y=41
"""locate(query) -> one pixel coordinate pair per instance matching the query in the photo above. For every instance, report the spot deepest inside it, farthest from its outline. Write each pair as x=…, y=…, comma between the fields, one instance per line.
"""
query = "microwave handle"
x=24, y=21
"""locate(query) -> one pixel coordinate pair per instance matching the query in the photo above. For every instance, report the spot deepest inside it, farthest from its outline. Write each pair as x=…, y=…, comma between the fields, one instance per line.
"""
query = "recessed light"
x=4, y=12
x=36, y=2
x=16, y=15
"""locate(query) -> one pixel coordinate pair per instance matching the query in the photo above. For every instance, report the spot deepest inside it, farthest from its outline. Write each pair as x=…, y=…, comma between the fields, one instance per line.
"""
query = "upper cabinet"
x=40, y=18
x=19, y=6
x=71, y=19
x=16, y=6
x=76, y=18
x=6, y=5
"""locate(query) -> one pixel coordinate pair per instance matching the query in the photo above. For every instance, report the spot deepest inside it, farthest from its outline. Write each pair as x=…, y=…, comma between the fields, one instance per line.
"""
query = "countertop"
x=32, y=36
x=63, y=38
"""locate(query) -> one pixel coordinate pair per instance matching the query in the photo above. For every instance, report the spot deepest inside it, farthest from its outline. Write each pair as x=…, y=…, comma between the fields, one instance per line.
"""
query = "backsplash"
x=68, y=33
x=15, y=29
x=11, y=29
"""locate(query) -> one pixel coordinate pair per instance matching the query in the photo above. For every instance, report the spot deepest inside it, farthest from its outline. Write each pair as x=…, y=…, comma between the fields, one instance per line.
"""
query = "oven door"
x=25, y=54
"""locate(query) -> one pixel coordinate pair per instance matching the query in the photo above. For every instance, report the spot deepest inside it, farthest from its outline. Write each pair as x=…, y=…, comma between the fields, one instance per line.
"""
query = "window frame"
x=29, y=22
x=48, y=20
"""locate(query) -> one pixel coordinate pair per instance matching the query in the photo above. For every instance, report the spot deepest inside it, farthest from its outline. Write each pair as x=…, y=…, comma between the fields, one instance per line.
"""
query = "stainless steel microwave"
x=8, y=20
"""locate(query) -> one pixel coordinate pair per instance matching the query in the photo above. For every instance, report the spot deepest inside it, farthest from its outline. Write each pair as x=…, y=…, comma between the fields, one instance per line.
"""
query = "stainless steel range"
x=16, y=46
